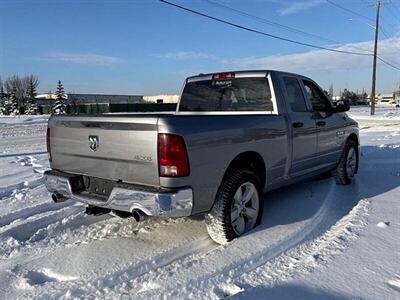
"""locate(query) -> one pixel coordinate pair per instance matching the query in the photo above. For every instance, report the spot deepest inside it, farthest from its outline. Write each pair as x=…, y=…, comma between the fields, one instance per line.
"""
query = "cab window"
x=317, y=98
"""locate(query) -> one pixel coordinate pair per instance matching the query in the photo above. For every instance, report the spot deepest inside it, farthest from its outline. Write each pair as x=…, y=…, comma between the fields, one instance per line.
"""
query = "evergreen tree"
x=2, y=99
x=30, y=105
x=2, y=94
x=2, y=108
x=60, y=106
x=11, y=104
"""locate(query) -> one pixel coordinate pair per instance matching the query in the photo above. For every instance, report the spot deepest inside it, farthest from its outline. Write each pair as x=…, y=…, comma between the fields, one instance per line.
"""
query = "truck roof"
x=244, y=73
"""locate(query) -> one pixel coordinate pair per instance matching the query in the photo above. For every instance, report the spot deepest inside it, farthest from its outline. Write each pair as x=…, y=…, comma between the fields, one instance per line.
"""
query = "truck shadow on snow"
x=289, y=291
x=379, y=172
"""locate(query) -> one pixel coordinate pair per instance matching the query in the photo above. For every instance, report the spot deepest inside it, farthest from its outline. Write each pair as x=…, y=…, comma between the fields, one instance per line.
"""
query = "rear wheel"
x=237, y=208
x=348, y=164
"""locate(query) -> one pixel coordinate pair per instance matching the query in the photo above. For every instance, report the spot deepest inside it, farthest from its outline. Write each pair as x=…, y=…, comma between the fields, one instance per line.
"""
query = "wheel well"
x=251, y=161
x=354, y=137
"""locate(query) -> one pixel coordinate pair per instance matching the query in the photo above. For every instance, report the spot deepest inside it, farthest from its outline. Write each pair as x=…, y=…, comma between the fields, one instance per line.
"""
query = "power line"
x=388, y=63
x=266, y=21
x=396, y=18
x=383, y=31
x=359, y=15
x=396, y=8
x=285, y=27
x=271, y=35
x=349, y=10
x=263, y=20
x=387, y=21
x=261, y=32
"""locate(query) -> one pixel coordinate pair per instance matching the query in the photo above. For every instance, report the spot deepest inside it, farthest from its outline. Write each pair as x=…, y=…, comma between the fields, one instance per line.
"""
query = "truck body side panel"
x=214, y=141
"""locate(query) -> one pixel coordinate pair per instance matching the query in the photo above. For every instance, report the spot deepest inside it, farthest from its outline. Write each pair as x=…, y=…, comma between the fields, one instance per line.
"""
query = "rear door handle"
x=297, y=124
x=321, y=123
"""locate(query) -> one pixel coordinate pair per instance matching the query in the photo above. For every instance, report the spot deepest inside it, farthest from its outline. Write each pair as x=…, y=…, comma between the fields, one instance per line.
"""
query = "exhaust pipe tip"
x=138, y=215
x=57, y=198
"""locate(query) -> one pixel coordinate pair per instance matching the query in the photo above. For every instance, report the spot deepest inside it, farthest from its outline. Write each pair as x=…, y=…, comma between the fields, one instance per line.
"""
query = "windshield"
x=237, y=94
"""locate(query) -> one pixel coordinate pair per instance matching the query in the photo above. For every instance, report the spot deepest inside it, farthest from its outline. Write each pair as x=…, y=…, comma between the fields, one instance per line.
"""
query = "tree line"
x=18, y=96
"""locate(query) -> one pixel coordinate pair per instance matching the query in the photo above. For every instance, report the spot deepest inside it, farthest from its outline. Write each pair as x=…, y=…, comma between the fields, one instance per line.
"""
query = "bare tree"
x=23, y=89
x=15, y=85
x=75, y=104
x=331, y=91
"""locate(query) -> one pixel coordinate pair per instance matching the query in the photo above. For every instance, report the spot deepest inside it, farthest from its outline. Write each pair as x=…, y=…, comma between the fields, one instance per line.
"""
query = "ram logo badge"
x=94, y=142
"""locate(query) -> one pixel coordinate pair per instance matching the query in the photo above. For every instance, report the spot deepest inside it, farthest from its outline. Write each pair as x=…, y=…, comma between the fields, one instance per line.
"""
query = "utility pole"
x=378, y=6
x=373, y=90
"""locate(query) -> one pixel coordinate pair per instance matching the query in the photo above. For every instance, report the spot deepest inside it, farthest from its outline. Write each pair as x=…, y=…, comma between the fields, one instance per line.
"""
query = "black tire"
x=218, y=220
x=340, y=173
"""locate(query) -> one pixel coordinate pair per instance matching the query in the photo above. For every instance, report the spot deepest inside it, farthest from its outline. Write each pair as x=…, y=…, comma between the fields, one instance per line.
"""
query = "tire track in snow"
x=19, y=232
x=147, y=275
x=201, y=244
x=216, y=276
x=304, y=257
x=4, y=155
x=154, y=276
x=30, y=211
x=50, y=235
x=75, y=230
x=165, y=252
x=100, y=286
x=11, y=189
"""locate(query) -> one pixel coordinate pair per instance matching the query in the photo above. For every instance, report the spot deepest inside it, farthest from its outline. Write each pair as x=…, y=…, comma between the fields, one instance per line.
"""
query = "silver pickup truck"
x=233, y=137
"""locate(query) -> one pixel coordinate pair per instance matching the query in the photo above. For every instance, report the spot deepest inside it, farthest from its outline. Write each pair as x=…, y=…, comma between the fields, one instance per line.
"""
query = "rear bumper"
x=177, y=203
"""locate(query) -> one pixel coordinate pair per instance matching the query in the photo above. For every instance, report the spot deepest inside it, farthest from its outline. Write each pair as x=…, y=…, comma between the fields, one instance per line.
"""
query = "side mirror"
x=342, y=106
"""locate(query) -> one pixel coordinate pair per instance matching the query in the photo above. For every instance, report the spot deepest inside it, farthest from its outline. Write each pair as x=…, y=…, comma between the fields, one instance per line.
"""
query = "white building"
x=161, y=99
x=385, y=98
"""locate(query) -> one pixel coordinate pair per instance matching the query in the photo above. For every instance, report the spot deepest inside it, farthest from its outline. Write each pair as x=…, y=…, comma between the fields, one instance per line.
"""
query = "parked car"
x=233, y=137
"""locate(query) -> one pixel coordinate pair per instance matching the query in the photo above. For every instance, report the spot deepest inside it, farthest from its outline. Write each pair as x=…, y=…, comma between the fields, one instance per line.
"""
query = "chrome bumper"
x=167, y=204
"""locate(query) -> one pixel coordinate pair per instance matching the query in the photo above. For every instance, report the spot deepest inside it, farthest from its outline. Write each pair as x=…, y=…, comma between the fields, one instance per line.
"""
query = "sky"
x=146, y=47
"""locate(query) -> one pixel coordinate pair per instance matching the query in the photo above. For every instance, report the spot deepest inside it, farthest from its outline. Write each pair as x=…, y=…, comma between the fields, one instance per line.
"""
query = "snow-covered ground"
x=383, y=114
x=317, y=240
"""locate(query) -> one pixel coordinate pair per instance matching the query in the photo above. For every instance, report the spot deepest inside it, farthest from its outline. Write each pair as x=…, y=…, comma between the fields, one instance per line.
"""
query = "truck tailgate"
x=110, y=147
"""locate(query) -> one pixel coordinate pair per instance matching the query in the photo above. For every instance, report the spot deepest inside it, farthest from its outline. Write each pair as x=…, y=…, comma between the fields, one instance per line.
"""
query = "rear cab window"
x=295, y=95
x=251, y=94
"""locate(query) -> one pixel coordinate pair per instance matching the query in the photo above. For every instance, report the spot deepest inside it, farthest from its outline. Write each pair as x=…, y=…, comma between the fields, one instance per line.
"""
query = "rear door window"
x=295, y=95
x=235, y=94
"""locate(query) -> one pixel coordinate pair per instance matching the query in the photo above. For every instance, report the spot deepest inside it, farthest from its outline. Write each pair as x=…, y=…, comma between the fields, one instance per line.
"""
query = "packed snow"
x=317, y=240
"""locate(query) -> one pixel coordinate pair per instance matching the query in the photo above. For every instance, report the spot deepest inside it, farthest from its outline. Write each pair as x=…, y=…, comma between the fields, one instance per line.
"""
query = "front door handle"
x=321, y=123
x=297, y=124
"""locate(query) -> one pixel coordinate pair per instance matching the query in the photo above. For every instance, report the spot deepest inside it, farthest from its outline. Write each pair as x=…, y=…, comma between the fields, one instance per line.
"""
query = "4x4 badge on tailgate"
x=94, y=142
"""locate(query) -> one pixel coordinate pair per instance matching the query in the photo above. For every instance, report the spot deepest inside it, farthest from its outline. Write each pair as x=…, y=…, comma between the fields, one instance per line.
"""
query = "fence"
x=100, y=108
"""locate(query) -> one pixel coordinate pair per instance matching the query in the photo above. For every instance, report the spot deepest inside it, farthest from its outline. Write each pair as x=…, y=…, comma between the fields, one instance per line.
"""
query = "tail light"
x=225, y=75
x=48, y=143
x=172, y=156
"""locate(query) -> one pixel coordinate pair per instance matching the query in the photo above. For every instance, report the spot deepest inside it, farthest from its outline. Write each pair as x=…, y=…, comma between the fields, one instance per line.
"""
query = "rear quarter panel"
x=213, y=141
